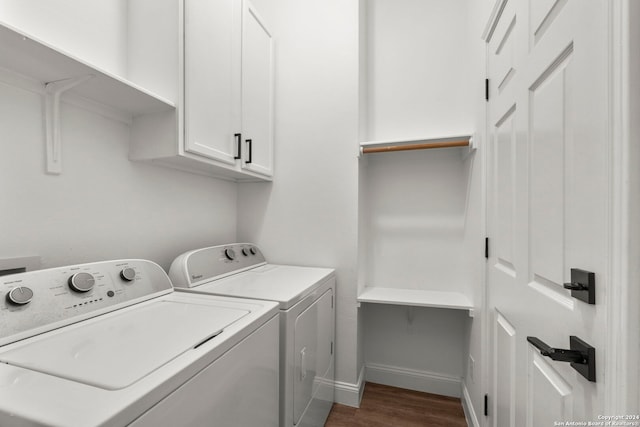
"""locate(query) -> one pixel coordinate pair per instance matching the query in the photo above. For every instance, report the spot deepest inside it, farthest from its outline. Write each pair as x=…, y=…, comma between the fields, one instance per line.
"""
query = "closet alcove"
x=419, y=212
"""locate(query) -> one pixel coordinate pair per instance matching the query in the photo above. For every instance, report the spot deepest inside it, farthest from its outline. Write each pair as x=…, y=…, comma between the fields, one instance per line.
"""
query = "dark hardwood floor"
x=390, y=406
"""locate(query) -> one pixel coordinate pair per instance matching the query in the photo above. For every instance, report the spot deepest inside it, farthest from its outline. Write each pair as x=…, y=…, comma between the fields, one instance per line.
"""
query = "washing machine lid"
x=284, y=284
x=117, y=349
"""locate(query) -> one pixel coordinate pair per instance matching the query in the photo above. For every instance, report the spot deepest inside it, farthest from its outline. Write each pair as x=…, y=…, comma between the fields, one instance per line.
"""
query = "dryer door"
x=313, y=347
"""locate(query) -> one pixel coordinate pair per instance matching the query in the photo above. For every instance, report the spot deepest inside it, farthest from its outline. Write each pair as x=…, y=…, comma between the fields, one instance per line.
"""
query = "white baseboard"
x=467, y=405
x=412, y=379
x=350, y=394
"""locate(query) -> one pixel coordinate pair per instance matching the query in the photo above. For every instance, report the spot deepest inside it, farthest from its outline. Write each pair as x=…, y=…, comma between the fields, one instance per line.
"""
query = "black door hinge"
x=486, y=89
x=486, y=405
x=486, y=247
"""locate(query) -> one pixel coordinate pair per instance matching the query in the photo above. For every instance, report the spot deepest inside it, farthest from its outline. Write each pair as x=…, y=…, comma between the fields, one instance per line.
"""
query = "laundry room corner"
x=308, y=214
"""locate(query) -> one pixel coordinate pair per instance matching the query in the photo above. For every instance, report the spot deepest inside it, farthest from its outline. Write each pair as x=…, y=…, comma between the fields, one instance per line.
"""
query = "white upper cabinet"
x=257, y=93
x=212, y=46
x=224, y=125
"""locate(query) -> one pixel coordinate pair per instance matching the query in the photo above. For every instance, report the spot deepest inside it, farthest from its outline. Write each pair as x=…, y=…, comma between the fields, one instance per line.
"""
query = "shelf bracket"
x=52, y=93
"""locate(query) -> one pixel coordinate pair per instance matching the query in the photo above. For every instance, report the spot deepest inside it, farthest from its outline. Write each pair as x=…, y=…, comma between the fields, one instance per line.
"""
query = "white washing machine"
x=112, y=344
x=307, y=317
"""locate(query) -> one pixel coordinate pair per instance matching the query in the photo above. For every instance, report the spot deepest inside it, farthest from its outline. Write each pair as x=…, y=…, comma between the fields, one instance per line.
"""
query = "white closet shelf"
x=416, y=297
x=35, y=59
x=370, y=147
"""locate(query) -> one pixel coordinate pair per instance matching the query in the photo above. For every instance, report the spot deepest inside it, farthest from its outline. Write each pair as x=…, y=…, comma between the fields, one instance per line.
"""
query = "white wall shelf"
x=371, y=147
x=40, y=61
x=416, y=298
x=59, y=72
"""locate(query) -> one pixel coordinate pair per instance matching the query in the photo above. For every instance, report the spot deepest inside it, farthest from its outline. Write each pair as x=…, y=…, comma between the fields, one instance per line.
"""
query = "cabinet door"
x=257, y=93
x=212, y=31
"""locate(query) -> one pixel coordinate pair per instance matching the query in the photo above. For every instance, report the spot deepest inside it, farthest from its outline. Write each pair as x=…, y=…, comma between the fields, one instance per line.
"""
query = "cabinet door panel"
x=257, y=93
x=212, y=32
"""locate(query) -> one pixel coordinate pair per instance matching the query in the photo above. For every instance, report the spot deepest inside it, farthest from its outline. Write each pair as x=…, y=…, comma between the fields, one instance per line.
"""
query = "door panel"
x=257, y=93
x=505, y=54
x=212, y=82
x=547, y=132
x=549, y=392
x=504, y=184
x=543, y=13
x=548, y=192
x=504, y=372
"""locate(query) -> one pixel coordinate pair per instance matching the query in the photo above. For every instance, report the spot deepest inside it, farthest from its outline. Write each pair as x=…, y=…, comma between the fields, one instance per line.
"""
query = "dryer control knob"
x=246, y=252
x=253, y=250
x=81, y=282
x=20, y=295
x=230, y=254
x=128, y=274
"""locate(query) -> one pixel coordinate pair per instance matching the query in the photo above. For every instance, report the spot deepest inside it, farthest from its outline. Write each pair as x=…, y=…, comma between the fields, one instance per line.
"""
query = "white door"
x=548, y=193
x=212, y=32
x=257, y=93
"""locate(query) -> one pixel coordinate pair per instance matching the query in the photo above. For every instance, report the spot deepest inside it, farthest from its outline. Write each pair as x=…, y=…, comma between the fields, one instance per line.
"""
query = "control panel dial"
x=20, y=295
x=230, y=254
x=253, y=250
x=246, y=252
x=81, y=282
x=128, y=274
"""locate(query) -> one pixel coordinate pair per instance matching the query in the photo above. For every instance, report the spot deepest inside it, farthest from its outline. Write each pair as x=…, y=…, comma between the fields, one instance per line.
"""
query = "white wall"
x=419, y=76
x=308, y=215
x=153, y=46
x=414, y=347
x=95, y=31
x=417, y=204
x=363, y=131
x=102, y=206
x=134, y=39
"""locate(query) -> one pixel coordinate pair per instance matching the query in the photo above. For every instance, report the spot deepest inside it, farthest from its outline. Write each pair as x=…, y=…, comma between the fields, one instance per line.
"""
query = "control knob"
x=20, y=295
x=253, y=250
x=230, y=254
x=245, y=251
x=128, y=274
x=81, y=282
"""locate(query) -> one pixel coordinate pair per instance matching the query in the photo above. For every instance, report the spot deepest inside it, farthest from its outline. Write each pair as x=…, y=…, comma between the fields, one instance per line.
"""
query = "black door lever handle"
x=559, y=354
x=582, y=285
x=581, y=355
x=574, y=286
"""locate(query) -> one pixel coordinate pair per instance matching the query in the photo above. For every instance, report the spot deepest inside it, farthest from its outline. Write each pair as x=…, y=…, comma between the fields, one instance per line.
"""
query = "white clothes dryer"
x=307, y=318
x=112, y=344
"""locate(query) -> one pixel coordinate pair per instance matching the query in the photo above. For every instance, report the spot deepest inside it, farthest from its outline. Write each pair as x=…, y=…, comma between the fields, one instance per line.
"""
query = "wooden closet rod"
x=421, y=146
